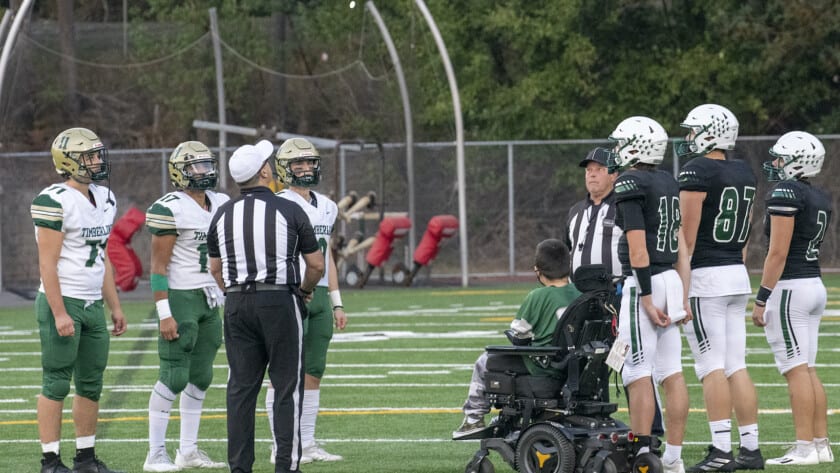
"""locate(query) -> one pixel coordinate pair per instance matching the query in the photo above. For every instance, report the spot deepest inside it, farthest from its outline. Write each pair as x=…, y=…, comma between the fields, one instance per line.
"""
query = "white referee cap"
x=247, y=160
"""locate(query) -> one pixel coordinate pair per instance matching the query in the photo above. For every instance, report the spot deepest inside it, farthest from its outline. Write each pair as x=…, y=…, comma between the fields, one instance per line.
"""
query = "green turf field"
x=391, y=395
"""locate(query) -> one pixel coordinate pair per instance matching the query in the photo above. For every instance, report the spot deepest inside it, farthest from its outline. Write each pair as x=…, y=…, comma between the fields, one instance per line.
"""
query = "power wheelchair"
x=562, y=424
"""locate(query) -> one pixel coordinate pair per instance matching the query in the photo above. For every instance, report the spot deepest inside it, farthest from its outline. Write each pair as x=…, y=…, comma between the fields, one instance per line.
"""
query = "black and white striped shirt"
x=258, y=236
x=592, y=234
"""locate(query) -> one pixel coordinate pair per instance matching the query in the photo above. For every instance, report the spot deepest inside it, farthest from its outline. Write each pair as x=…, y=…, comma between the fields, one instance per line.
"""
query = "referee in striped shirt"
x=592, y=235
x=253, y=243
x=591, y=232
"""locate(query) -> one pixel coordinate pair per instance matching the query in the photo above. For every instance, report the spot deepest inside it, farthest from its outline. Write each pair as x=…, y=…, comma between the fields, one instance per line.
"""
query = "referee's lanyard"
x=593, y=211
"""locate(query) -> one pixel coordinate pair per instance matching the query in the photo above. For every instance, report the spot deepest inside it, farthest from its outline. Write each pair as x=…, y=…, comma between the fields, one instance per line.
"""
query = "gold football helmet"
x=297, y=149
x=79, y=154
x=193, y=166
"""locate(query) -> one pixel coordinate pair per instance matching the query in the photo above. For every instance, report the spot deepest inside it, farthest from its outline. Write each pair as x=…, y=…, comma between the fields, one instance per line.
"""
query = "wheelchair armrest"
x=523, y=350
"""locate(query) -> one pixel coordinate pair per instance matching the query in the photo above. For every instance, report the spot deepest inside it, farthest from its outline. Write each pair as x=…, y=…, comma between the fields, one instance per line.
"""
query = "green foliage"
x=525, y=69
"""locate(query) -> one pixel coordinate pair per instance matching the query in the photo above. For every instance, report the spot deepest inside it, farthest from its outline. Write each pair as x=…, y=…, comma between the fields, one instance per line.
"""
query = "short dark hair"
x=552, y=259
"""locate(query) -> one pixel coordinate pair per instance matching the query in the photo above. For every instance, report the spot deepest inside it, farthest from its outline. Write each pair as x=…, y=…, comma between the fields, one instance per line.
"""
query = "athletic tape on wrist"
x=163, y=310
x=335, y=298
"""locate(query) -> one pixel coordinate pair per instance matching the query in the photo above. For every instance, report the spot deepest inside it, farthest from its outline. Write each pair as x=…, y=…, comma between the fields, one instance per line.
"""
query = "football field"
x=391, y=396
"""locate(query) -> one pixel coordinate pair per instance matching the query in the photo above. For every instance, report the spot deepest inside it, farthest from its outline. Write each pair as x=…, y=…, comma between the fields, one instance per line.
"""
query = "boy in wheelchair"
x=552, y=394
x=534, y=325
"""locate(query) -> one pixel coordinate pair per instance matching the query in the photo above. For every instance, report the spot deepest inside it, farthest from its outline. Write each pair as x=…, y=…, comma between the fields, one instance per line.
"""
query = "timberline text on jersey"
x=92, y=232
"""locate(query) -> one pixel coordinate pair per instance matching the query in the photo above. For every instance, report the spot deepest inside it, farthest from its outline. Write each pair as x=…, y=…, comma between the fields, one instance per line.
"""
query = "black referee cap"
x=598, y=155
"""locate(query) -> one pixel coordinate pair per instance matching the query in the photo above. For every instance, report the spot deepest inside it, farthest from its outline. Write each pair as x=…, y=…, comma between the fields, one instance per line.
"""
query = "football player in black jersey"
x=792, y=297
x=716, y=198
x=653, y=298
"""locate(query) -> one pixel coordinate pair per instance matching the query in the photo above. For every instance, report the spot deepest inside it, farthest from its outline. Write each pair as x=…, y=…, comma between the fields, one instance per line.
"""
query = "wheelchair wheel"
x=486, y=466
x=543, y=449
x=647, y=463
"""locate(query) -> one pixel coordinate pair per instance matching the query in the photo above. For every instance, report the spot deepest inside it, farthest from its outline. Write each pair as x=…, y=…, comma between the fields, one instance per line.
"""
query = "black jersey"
x=811, y=209
x=649, y=200
x=725, y=219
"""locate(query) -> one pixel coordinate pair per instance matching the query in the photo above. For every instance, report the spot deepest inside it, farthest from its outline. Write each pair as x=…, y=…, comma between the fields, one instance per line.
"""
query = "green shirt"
x=542, y=309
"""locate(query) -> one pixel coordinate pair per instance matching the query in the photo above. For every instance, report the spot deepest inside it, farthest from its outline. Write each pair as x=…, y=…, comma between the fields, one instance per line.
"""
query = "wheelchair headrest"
x=592, y=277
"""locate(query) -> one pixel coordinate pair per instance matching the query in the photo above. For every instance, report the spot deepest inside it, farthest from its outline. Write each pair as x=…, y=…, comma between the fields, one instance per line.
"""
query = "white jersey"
x=177, y=213
x=86, y=227
x=322, y=213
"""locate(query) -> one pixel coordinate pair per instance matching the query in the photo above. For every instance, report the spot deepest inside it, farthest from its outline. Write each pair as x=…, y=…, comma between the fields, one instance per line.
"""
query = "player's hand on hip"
x=120, y=325
x=340, y=318
x=169, y=329
x=64, y=325
x=758, y=316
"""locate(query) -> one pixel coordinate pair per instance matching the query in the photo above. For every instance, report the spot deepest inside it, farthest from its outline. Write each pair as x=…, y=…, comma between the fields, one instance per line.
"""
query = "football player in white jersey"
x=298, y=166
x=72, y=223
x=187, y=300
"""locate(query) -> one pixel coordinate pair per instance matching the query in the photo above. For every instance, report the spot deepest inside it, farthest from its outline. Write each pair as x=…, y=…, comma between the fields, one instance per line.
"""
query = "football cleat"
x=716, y=460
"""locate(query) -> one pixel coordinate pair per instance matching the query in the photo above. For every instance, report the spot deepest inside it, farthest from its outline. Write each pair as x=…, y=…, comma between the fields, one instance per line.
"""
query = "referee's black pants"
x=264, y=328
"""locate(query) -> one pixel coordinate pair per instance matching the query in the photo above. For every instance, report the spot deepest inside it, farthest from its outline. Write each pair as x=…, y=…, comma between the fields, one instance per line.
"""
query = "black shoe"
x=54, y=465
x=749, y=459
x=716, y=460
x=92, y=465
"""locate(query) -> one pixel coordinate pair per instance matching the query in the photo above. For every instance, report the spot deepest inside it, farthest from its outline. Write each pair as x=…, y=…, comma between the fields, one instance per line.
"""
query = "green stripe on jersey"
x=160, y=221
x=46, y=212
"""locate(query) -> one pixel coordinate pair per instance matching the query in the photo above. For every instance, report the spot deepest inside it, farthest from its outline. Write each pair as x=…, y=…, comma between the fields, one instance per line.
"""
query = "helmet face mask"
x=193, y=166
x=637, y=140
x=80, y=155
x=296, y=150
x=797, y=154
x=711, y=127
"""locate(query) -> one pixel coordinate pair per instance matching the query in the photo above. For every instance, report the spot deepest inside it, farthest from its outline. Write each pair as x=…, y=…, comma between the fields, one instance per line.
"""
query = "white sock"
x=672, y=453
x=821, y=442
x=192, y=399
x=85, y=442
x=269, y=410
x=160, y=403
x=311, y=402
x=722, y=434
x=805, y=447
x=50, y=447
x=749, y=436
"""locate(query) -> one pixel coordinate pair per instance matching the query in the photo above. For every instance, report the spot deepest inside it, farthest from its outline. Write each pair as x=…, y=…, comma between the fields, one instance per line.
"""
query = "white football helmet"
x=637, y=140
x=798, y=154
x=713, y=127
x=73, y=151
x=193, y=166
x=297, y=149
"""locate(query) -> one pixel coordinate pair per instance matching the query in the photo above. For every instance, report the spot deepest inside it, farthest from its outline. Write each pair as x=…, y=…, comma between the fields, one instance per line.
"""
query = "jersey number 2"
x=813, y=252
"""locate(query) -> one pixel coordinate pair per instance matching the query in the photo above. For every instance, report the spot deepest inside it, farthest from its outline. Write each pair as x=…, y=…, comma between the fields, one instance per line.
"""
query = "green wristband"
x=159, y=282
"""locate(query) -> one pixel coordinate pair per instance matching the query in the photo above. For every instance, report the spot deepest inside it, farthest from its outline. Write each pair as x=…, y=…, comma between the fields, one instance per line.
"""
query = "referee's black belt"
x=250, y=287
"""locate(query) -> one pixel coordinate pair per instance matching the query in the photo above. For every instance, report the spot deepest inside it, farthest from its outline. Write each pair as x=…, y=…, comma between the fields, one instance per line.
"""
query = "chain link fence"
x=518, y=193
